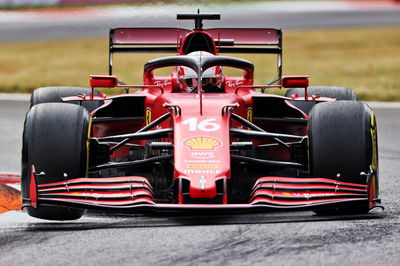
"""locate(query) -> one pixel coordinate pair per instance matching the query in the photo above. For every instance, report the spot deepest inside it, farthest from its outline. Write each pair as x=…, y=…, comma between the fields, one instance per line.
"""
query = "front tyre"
x=55, y=142
x=342, y=144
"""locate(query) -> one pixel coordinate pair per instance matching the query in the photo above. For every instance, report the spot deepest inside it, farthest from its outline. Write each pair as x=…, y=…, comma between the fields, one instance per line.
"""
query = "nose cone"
x=202, y=187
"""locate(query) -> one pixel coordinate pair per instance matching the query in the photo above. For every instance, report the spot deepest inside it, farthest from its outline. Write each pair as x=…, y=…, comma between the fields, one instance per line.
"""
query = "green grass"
x=367, y=60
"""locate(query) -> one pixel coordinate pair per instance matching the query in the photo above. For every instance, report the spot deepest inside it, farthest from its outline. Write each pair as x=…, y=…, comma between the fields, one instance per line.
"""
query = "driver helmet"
x=188, y=77
x=212, y=77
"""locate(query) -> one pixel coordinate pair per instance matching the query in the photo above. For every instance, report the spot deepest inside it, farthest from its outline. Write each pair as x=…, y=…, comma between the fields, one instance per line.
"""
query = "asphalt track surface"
x=47, y=25
x=288, y=238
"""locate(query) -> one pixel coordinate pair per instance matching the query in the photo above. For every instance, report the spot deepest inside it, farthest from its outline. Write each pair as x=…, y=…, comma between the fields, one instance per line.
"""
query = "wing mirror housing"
x=294, y=81
x=103, y=81
x=108, y=81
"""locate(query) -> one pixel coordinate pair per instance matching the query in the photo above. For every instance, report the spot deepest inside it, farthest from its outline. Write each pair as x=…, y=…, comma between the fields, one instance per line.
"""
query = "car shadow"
x=97, y=220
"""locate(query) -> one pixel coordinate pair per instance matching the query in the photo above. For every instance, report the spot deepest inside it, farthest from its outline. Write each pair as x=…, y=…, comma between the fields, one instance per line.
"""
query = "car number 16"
x=206, y=125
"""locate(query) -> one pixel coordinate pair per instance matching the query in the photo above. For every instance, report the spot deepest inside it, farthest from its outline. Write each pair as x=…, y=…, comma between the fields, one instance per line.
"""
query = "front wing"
x=135, y=194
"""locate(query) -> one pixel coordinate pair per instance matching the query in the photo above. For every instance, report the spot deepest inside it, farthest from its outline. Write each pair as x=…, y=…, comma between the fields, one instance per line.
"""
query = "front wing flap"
x=286, y=192
x=135, y=194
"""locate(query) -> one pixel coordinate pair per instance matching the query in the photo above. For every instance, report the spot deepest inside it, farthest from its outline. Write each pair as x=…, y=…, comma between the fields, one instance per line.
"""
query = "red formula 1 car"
x=198, y=139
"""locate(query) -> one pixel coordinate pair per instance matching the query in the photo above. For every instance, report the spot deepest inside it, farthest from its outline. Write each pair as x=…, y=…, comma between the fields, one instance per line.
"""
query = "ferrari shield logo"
x=148, y=116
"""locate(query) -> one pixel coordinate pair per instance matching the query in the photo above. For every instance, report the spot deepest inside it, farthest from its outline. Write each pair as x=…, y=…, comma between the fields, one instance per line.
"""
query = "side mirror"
x=294, y=81
x=103, y=81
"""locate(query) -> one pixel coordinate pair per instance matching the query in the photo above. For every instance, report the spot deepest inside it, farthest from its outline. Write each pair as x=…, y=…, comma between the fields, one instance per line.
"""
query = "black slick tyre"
x=54, y=94
x=339, y=93
x=342, y=144
x=55, y=142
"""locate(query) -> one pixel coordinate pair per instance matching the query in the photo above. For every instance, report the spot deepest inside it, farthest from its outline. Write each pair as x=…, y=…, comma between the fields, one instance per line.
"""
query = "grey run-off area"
x=46, y=25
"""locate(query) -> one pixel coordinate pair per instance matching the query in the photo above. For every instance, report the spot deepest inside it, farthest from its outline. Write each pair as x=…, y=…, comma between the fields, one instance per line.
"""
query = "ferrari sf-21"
x=198, y=140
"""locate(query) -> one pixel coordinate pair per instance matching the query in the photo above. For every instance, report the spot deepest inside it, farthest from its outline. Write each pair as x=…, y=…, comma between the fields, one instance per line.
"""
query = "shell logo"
x=202, y=143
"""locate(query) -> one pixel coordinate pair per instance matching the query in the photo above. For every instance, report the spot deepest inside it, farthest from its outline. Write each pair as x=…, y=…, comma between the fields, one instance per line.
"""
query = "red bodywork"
x=203, y=134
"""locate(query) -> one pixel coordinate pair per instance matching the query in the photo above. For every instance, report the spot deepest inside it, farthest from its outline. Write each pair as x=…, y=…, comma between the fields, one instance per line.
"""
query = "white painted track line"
x=14, y=97
x=385, y=105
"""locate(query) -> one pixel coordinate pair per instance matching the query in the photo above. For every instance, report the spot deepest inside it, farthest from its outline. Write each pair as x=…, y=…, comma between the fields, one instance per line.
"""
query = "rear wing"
x=169, y=40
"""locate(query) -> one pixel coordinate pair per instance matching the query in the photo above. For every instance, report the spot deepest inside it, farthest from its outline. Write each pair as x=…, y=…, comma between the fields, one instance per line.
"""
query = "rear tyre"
x=54, y=95
x=342, y=144
x=54, y=141
x=340, y=93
